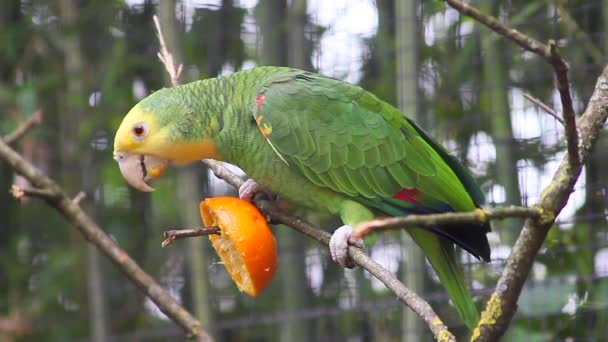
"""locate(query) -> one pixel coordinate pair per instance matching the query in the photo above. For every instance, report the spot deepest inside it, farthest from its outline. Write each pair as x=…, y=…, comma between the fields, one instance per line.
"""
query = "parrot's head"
x=159, y=131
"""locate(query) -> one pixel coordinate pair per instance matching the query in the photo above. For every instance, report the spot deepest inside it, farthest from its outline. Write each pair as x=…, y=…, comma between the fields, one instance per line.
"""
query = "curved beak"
x=138, y=169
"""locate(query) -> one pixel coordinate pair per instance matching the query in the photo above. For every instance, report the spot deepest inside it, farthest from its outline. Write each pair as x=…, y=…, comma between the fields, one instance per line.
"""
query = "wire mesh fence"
x=469, y=88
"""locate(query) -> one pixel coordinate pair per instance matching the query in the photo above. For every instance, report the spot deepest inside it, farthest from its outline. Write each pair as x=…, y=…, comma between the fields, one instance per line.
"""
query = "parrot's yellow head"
x=149, y=139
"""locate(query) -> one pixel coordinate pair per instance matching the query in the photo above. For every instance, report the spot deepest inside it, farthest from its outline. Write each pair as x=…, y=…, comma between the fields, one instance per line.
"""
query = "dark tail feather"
x=471, y=238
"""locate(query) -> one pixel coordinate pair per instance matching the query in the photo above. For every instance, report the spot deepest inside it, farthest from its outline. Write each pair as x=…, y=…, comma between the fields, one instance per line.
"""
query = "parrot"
x=319, y=143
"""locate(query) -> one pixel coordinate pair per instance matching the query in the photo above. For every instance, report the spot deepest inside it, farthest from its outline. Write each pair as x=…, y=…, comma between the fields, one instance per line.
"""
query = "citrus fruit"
x=246, y=245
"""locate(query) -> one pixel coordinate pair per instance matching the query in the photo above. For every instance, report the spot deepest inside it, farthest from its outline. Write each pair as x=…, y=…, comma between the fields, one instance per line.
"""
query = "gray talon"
x=338, y=246
x=249, y=189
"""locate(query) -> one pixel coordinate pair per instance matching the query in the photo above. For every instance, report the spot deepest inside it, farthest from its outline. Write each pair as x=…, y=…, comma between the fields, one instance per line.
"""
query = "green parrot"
x=319, y=143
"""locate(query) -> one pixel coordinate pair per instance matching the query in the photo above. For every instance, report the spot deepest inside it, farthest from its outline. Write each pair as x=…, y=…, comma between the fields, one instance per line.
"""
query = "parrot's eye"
x=139, y=131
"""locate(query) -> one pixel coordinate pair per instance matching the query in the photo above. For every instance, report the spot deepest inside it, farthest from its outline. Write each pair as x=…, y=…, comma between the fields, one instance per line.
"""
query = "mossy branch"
x=499, y=311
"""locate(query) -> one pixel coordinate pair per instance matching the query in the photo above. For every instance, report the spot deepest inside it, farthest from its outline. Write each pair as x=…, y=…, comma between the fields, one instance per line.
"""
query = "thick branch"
x=85, y=224
x=550, y=54
x=501, y=307
x=404, y=294
x=24, y=127
x=433, y=220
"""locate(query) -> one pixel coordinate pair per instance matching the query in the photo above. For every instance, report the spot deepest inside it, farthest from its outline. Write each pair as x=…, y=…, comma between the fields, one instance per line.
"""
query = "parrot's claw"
x=338, y=246
x=250, y=188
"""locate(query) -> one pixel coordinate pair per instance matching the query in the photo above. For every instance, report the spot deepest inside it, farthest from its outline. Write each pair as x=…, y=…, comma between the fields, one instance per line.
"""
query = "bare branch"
x=19, y=193
x=550, y=54
x=544, y=107
x=56, y=197
x=172, y=235
x=433, y=220
x=404, y=294
x=79, y=197
x=563, y=86
x=24, y=127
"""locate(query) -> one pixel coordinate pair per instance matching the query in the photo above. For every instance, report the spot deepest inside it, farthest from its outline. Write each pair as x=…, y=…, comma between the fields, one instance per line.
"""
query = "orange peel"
x=246, y=245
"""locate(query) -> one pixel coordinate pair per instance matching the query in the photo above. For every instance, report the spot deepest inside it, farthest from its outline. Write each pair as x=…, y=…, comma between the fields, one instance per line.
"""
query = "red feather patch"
x=407, y=195
x=260, y=100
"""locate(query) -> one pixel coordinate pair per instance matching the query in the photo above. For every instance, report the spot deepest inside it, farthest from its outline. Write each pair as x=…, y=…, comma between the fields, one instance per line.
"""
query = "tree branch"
x=172, y=235
x=404, y=294
x=544, y=107
x=502, y=305
x=19, y=193
x=550, y=54
x=433, y=220
x=68, y=207
x=24, y=127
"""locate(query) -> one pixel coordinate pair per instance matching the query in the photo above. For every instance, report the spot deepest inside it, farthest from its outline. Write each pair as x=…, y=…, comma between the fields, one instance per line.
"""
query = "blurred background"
x=85, y=63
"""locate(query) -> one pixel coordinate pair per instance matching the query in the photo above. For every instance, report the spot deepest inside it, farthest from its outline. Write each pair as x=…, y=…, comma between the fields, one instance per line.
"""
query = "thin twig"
x=24, y=127
x=19, y=193
x=92, y=232
x=550, y=54
x=544, y=107
x=174, y=70
x=172, y=235
x=433, y=220
x=79, y=197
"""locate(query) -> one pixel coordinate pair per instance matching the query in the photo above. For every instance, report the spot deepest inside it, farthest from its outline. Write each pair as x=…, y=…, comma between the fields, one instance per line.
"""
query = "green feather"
x=442, y=257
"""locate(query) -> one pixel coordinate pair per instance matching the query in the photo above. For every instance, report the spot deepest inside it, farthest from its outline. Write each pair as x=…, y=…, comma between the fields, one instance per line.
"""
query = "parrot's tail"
x=440, y=253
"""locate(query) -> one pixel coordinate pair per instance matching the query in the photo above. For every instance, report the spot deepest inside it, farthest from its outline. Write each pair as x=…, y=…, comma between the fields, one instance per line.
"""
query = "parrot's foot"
x=338, y=245
x=251, y=188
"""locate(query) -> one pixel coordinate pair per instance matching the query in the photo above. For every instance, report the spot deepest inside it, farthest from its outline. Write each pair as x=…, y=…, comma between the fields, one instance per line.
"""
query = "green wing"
x=344, y=138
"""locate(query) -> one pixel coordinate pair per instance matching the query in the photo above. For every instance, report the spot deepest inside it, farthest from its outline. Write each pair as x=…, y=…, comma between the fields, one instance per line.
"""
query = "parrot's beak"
x=138, y=169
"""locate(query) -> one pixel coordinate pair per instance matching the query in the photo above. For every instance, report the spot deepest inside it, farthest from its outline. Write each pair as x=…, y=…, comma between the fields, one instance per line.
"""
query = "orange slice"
x=246, y=245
